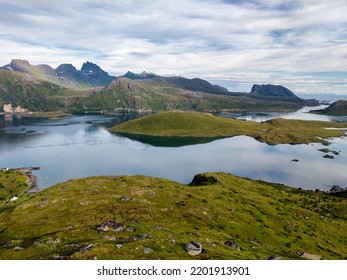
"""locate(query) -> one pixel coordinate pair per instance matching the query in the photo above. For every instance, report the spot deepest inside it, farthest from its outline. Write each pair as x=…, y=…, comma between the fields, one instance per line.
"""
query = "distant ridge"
x=90, y=75
x=43, y=88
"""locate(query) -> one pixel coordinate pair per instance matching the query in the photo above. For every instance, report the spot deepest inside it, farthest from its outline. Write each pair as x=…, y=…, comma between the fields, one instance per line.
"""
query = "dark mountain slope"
x=336, y=108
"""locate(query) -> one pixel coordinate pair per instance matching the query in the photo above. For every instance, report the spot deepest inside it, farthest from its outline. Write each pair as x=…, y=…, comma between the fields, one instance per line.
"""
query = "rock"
x=310, y=256
x=111, y=226
x=132, y=238
x=86, y=249
x=125, y=198
x=203, y=180
x=144, y=236
x=272, y=258
x=147, y=250
x=53, y=240
x=233, y=245
x=18, y=248
x=194, y=248
x=111, y=238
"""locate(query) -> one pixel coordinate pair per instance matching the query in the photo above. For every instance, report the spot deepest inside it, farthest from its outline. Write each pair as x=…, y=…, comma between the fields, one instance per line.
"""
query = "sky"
x=300, y=44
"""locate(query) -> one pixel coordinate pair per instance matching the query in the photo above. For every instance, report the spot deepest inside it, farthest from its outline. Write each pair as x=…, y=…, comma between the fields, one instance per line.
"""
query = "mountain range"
x=43, y=88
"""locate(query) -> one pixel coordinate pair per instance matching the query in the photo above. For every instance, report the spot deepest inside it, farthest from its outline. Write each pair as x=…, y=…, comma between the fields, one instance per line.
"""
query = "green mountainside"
x=42, y=88
x=141, y=217
x=194, y=124
x=27, y=92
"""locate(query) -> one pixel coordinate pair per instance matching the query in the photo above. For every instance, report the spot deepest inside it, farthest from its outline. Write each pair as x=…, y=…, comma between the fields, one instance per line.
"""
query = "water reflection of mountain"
x=168, y=141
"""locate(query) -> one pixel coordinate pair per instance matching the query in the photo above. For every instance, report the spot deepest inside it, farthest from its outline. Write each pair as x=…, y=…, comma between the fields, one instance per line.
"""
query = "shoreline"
x=31, y=178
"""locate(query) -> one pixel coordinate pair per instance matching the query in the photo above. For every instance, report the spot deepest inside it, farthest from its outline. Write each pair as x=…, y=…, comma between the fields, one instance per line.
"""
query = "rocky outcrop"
x=309, y=256
x=111, y=226
x=194, y=248
x=203, y=180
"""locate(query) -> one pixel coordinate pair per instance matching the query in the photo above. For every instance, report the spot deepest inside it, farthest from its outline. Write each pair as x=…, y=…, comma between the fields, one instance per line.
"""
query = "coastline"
x=31, y=178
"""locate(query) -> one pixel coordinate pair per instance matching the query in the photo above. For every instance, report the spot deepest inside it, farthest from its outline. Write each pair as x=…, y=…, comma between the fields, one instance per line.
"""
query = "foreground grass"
x=193, y=124
x=158, y=217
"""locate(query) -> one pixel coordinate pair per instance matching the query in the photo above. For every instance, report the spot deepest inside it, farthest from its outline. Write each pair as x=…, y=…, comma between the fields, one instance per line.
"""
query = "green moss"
x=263, y=219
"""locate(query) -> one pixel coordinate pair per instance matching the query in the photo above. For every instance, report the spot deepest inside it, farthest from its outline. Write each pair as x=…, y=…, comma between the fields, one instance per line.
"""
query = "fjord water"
x=80, y=146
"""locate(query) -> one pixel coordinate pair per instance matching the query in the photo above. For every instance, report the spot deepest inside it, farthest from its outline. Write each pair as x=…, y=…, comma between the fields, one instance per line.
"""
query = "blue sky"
x=299, y=44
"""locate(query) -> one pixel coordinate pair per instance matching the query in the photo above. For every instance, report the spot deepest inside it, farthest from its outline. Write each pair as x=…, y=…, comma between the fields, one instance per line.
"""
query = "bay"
x=80, y=146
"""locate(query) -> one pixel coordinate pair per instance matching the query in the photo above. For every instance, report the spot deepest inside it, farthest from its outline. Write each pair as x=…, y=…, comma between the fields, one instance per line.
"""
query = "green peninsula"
x=194, y=124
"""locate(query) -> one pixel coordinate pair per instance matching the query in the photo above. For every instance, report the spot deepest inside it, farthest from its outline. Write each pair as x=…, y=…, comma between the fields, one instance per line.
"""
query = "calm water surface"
x=80, y=146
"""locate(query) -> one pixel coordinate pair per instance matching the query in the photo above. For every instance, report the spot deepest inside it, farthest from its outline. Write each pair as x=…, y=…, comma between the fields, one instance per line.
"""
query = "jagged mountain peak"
x=90, y=75
x=91, y=67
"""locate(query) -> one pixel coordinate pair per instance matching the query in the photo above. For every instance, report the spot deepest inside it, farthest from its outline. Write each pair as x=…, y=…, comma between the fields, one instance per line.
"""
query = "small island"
x=194, y=124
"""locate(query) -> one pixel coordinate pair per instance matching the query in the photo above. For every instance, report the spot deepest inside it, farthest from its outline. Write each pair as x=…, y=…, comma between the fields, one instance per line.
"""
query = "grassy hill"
x=193, y=124
x=140, y=217
x=36, y=95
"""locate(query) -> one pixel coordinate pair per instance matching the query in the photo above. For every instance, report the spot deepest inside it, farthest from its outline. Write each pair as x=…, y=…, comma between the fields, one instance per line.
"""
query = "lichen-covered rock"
x=194, y=248
x=111, y=226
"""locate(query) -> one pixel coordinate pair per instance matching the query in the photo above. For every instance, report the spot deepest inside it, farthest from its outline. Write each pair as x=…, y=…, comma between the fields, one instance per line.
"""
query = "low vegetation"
x=193, y=124
x=141, y=217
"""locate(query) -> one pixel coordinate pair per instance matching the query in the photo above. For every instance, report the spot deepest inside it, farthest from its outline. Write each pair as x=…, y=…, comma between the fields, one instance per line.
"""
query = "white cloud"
x=210, y=39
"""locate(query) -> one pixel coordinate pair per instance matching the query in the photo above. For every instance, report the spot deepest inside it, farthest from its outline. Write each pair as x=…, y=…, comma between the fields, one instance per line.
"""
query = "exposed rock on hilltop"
x=336, y=108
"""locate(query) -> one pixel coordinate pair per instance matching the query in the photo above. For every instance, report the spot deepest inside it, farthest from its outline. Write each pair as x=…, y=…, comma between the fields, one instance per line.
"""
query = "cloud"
x=220, y=40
